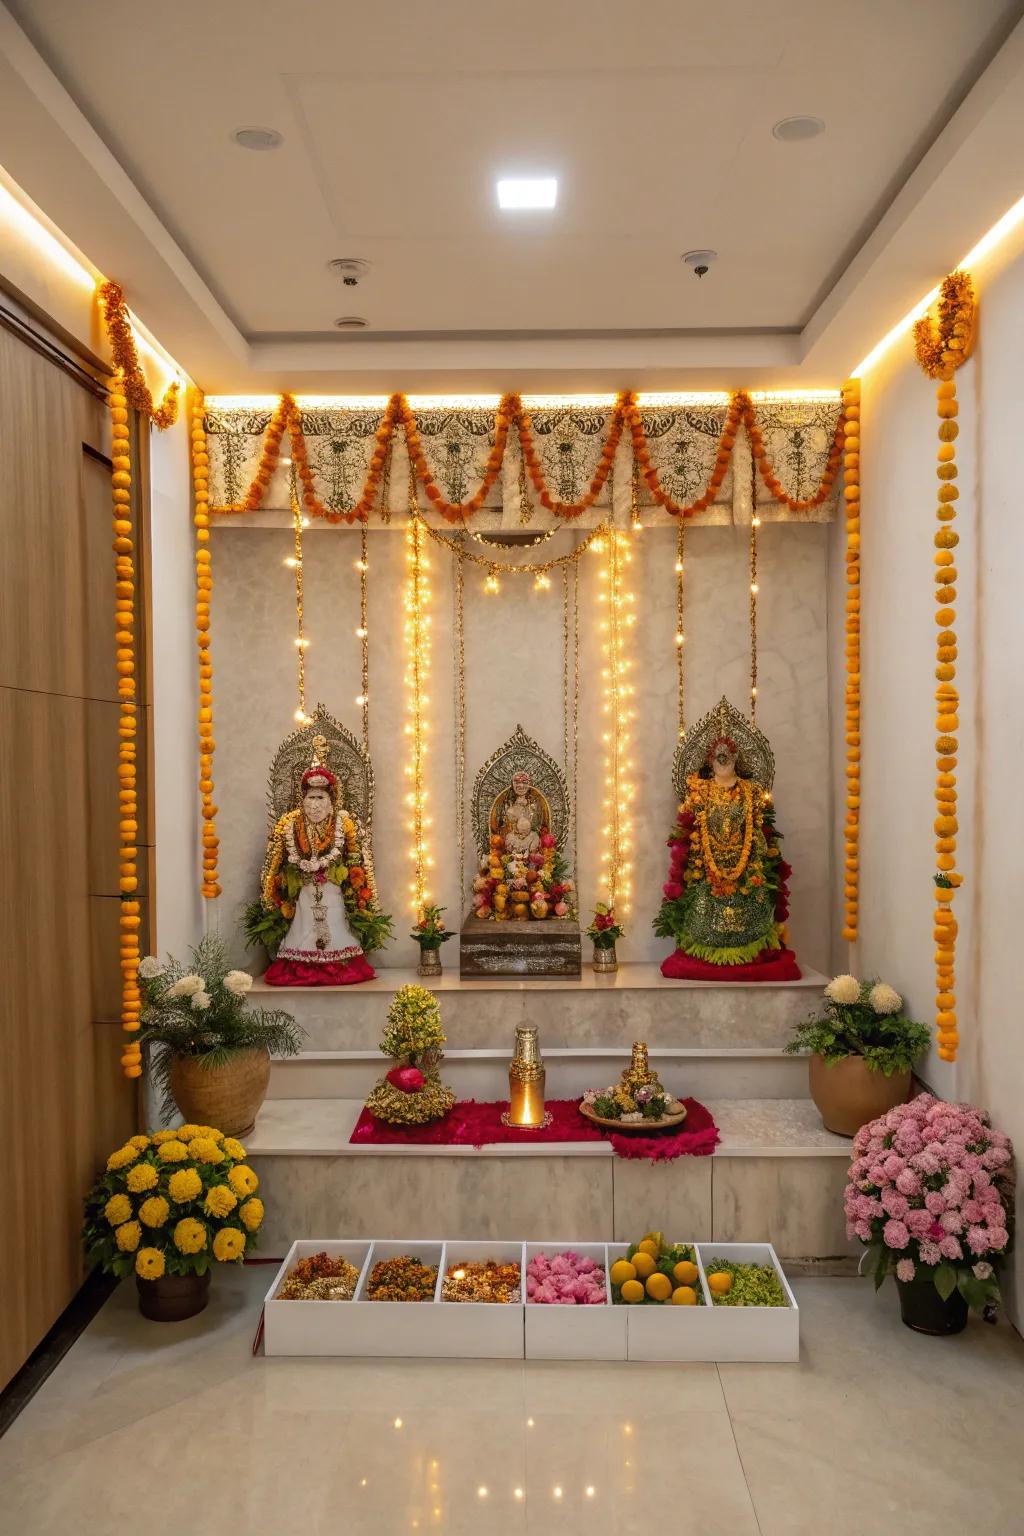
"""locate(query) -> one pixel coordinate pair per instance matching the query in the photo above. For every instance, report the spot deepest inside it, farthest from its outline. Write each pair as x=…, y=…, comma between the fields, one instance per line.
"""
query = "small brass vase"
x=605, y=960
x=430, y=963
x=526, y=1083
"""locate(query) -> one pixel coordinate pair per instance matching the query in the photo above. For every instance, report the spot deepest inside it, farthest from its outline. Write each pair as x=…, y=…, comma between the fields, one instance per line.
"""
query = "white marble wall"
x=514, y=662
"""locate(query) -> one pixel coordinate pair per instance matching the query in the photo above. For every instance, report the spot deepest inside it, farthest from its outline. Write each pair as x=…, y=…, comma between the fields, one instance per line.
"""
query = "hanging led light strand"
x=459, y=627
x=616, y=855
x=680, y=631
x=755, y=523
x=294, y=560
x=417, y=651
x=363, y=636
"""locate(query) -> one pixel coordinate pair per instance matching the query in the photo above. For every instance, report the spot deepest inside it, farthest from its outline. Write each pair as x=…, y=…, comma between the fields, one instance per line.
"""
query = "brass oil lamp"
x=526, y=1083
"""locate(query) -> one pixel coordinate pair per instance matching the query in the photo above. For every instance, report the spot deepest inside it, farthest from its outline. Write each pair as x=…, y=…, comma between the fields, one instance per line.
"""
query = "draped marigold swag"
x=173, y=1203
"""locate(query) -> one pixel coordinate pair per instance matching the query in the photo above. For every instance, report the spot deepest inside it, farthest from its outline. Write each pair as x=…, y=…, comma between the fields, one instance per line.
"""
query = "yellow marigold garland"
x=126, y=359
x=124, y=640
x=851, y=495
x=941, y=348
x=204, y=593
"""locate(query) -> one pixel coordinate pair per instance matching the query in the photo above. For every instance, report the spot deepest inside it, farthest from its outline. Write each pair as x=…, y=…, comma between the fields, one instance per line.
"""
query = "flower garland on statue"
x=342, y=857
x=511, y=412
x=941, y=349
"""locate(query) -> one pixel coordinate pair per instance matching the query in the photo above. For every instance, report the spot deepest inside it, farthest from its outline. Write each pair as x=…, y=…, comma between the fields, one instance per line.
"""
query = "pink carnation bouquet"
x=929, y=1191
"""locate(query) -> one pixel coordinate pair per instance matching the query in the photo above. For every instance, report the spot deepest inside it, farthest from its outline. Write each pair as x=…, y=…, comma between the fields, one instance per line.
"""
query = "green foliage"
x=887, y=1042
x=264, y=925
x=372, y=929
x=173, y=1026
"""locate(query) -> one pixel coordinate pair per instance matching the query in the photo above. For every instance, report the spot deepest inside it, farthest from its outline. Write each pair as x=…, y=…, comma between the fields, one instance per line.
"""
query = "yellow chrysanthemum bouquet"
x=171, y=1203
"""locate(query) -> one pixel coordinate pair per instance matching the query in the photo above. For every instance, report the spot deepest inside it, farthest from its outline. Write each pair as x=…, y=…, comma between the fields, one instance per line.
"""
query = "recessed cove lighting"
x=528, y=192
x=791, y=130
x=258, y=138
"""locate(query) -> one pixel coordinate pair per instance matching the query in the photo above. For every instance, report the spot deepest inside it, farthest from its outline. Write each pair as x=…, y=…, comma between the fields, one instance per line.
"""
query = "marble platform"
x=635, y=1003
x=777, y=1175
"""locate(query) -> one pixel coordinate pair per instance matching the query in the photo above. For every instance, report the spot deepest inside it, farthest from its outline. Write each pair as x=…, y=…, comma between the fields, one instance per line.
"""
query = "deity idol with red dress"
x=318, y=909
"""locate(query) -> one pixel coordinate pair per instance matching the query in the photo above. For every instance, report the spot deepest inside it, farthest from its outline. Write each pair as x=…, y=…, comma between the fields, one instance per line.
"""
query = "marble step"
x=700, y=1072
x=777, y=1175
x=636, y=1003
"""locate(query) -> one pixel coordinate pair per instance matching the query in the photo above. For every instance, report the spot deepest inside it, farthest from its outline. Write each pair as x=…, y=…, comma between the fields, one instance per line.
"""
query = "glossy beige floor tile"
x=181, y=1428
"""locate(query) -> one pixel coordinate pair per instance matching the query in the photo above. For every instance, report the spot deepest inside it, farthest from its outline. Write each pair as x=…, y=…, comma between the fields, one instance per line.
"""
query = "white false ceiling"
x=397, y=120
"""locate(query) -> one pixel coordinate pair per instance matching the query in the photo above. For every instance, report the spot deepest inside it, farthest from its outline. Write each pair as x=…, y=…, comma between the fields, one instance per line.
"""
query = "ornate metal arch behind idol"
x=345, y=758
x=520, y=753
x=755, y=761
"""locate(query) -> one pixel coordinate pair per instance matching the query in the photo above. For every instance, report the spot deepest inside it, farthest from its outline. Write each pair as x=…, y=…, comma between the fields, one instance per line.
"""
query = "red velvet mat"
x=470, y=1124
x=770, y=965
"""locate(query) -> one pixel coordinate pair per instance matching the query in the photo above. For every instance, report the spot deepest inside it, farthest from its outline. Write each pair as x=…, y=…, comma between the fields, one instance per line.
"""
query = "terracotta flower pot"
x=848, y=1094
x=227, y=1097
x=172, y=1298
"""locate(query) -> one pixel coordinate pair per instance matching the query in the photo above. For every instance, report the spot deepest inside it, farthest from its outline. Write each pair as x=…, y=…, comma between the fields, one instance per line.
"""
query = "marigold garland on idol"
x=727, y=896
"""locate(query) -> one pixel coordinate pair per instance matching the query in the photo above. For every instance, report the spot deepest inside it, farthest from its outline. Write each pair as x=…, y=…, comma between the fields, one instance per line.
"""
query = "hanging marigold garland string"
x=128, y=388
x=131, y=378
x=851, y=495
x=204, y=592
x=768, y=475
x=726, y=443
x=124, y=639
x=941, y=349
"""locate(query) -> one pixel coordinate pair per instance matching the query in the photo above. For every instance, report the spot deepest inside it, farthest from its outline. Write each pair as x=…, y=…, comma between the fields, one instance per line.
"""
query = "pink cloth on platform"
x=770, y=965
x=326, y=973
x=472, y=1124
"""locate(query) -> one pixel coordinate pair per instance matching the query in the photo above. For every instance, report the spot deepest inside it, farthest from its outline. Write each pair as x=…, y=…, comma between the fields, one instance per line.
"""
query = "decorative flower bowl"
x=644, y=1126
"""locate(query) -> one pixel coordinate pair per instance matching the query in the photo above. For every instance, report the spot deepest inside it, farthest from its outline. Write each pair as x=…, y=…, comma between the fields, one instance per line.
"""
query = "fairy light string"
x=459, y=627
x=680, y=639
x=617, y=600
x=294, y=561
x=363, y=636
x=417, y=651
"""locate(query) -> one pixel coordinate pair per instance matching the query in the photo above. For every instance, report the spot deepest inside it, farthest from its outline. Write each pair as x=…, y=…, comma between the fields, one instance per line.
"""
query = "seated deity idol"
x=727, y=897
x=318, y=894
x=523, y=875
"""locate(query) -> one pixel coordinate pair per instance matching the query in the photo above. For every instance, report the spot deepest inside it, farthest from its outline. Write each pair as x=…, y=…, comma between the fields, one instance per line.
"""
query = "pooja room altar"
x=531, y=678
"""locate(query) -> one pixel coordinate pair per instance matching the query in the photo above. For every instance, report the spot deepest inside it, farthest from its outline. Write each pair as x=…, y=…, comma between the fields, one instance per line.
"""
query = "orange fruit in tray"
x=720, y=1282
x=648, y=1245
x=643, y=1264
x=685, y=1273
x=684, y=1296
x=621, y=1271
x=659, y=1286
x=632, y=1291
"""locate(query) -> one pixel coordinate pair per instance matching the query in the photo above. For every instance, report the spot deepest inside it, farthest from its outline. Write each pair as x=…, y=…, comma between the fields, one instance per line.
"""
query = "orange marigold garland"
x=509, y=409
x=851, y=494
x=768, y=475
x=204, y=591
x=941, y=349
x=642, y=457
x=124, y=639
x=570, y=509
x=132, y=380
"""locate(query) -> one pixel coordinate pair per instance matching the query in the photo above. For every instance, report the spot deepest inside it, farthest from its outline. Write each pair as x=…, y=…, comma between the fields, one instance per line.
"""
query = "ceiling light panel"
x=527, y=192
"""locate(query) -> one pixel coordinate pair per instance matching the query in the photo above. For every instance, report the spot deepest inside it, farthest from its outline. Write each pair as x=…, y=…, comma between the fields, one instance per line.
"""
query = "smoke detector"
x=351, y=269
x=258, y=138
x=700, y=262
x=351, y=323
x=791, y=130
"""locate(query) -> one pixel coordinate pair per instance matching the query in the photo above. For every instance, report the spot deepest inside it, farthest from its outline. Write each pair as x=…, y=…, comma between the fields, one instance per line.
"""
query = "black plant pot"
x=923, y=1309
